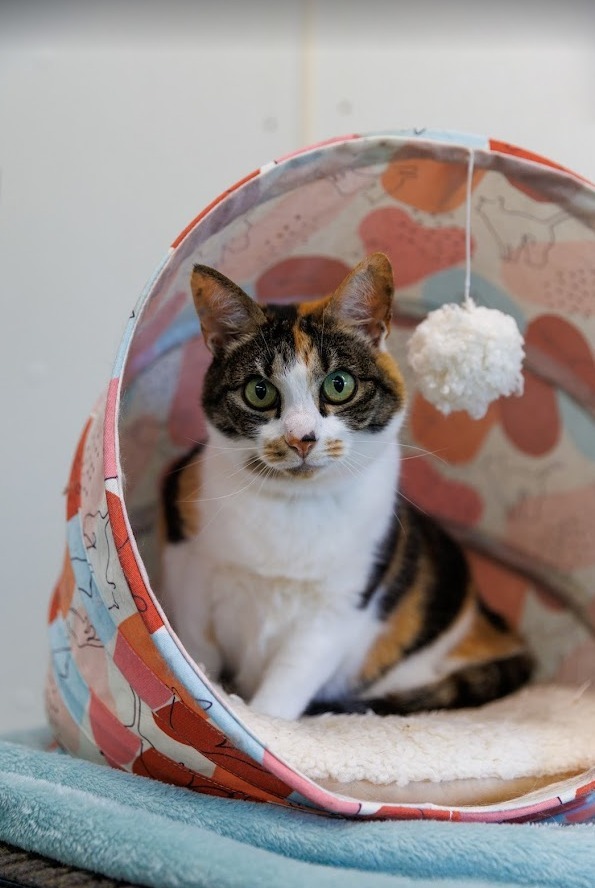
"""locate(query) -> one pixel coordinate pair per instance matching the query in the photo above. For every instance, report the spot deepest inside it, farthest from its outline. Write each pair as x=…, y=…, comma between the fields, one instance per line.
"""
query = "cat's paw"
x=267, y=704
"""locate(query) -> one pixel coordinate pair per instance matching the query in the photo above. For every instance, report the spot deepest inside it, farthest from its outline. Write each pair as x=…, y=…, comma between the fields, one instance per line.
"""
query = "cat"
x=294, y=570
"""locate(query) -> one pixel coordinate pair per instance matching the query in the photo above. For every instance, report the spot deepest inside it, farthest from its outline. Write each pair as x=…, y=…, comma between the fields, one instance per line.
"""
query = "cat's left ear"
x=364, y=299
x=224, y=310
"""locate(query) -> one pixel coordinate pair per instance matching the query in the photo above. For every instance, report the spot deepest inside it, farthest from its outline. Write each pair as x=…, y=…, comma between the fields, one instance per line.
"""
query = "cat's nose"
x=302, y=445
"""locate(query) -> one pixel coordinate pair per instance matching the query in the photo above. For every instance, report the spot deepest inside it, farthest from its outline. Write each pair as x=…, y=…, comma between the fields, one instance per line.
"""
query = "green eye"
x=338, y=387
x=260, y=393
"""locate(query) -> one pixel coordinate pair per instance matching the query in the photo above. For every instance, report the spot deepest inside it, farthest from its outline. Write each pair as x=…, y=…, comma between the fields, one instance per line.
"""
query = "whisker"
x=265, y=472
x=225, y=504
x=394, y=510
x=355, y=468
x=189, y=465
x=395, y=513
x=351, y=457
x=401, y=458
x=231, y=448
x=411, y=503
x=322, y=330
x=351, y=469
x=417, y=456
x=219, y=449
x=368, y=458
x=196, y=441
x=216, y=478
x=208, y=499
x=228, y=496
x=371, y=457
x=266, y=345
x=425, y=452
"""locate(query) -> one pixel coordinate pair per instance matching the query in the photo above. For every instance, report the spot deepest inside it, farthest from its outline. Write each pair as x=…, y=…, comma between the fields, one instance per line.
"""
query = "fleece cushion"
x=163, y=836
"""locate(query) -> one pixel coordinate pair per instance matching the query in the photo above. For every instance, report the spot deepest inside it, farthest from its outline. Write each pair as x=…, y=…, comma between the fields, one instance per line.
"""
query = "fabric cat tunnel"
x=516, y=486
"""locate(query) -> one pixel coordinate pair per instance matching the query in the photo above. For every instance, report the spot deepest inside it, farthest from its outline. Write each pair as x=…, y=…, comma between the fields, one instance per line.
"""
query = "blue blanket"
x=133, y=828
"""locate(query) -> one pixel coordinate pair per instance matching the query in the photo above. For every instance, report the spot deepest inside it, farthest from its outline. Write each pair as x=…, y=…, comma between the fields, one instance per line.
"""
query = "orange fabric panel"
x=142, y=597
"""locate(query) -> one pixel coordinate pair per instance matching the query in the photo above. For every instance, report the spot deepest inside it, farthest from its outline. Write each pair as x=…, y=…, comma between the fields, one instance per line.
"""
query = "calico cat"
x=293, y=568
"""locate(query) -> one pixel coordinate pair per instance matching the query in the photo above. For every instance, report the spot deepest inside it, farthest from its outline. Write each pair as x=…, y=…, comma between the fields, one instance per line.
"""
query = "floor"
x=26, y=870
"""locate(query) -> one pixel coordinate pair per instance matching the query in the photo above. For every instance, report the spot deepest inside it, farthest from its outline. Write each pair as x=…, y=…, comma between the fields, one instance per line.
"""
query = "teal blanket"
x=133, y=828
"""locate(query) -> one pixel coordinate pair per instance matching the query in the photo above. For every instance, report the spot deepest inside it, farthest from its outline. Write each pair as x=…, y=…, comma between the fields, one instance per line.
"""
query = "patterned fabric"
x=520, y=483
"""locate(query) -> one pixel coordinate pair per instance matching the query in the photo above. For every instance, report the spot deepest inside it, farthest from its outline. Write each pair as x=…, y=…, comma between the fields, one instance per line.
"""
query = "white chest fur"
x=275, y=576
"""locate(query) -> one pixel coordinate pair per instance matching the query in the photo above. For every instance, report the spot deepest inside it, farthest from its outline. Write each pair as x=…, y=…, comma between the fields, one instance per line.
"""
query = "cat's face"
x=301, y=391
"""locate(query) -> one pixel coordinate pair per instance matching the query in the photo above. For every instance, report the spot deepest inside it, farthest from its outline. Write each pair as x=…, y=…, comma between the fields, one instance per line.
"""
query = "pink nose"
x=304, y=445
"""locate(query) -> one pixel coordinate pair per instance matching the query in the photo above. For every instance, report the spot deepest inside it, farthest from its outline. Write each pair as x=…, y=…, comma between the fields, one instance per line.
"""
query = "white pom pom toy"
x=466, y=356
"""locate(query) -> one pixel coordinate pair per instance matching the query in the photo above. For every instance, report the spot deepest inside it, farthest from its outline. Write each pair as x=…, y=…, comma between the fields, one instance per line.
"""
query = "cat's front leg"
x=301, y=667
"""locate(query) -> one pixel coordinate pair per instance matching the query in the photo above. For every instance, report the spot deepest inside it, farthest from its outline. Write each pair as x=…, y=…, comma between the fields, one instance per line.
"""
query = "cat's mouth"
x=259, y=467
x=303, y=471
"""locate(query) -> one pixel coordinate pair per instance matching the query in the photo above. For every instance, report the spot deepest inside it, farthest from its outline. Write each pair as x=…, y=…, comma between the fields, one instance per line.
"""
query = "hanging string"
x=467, y=291
x=466, y=355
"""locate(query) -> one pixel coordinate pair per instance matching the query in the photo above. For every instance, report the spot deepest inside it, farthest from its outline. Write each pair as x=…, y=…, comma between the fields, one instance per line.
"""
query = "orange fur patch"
x=485, y=642
x=334, y=447
x=391, y=369
x=188, y=495
x=303, y=344
x=400, y=629
x=405, y=622
x=316, y=306
x=275, y=450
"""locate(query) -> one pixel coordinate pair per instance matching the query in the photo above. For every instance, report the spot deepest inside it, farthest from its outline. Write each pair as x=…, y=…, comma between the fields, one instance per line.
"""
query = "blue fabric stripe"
x=71, y=684
x=133, y=319
x=219, y=715
x=224, y=720
x=468, y=140
x=86, y=584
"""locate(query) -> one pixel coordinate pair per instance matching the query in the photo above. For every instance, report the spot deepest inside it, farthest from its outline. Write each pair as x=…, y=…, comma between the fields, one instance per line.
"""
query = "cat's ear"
x=224, y=310
x=364, y=299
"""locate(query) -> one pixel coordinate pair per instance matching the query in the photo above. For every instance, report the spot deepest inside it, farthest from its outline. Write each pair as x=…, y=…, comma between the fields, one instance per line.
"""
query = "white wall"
x=120, y=121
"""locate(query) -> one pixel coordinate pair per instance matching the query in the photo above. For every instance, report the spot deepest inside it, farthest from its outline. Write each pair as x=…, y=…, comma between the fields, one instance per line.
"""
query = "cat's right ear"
x=224, y=310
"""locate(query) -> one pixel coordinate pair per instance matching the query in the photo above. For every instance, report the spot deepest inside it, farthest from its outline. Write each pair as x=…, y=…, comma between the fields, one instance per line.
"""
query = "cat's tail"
x=472, y=685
